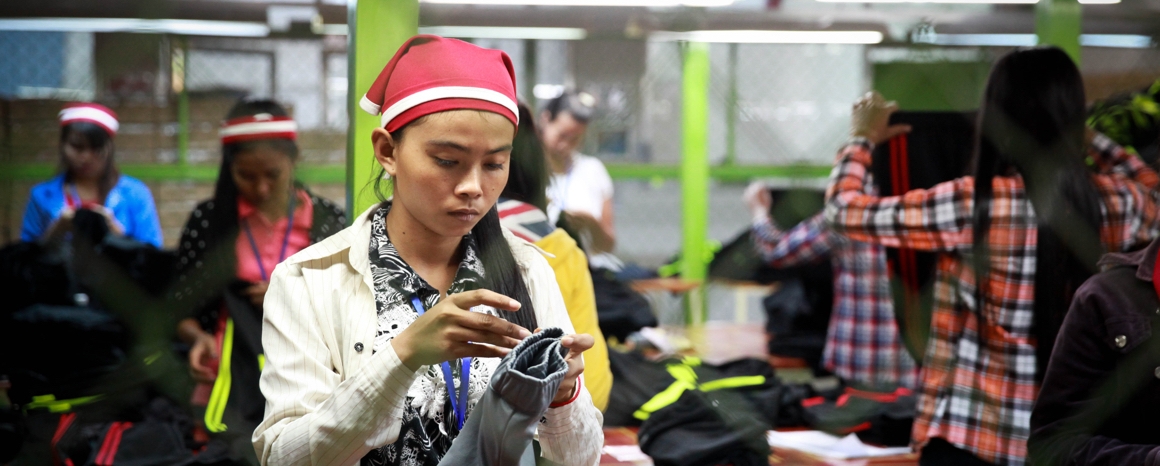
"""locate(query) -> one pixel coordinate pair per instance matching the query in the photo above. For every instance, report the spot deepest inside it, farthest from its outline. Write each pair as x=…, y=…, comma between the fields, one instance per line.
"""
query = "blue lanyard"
x=460, y=405
x=285, y=240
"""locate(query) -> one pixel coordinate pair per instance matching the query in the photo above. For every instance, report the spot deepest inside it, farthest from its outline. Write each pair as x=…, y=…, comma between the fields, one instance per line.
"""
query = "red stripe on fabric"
x=104, y=451
x=518, y=209
x=904, y=157
x=522, y=236
x=117, y=442
x=895, y=182
x=1156, y=274
x=879, y=397
x=62, y=426
x=908, y=260
x=858, y=428
x=811, y=402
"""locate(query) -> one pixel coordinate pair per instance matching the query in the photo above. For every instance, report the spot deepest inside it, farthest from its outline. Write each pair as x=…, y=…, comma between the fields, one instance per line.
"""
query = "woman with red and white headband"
x=258, y=217
x=89, y=179
x=382, y=341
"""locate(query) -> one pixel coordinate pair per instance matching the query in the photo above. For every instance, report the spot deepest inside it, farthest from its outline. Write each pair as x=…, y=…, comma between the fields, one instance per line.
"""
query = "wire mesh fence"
x=769, y=105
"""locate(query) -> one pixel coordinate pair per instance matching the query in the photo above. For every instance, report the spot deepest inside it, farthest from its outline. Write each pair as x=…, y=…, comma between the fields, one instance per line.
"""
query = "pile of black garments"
x=691, y=413
x=86, y=335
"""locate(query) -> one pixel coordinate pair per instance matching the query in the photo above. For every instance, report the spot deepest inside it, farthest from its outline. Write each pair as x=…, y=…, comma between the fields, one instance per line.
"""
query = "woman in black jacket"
x=1100, y=398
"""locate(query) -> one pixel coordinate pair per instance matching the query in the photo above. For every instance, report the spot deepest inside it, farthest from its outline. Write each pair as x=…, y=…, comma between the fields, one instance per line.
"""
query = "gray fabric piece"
x=500, y=428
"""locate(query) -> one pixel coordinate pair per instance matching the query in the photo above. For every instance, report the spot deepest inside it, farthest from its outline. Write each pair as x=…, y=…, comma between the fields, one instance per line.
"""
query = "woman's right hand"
x=202, y=353
x=57, y=229
x=449, y=330
x=871, y=119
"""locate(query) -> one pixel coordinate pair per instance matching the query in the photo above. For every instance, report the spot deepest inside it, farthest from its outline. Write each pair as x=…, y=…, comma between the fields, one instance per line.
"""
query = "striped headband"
x=260, y=126
x=99, y=115
x=431, y=74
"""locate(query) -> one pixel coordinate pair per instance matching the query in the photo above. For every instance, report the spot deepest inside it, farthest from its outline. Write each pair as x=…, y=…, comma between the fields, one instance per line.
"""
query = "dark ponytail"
x=1032, y=124
x=502, y=274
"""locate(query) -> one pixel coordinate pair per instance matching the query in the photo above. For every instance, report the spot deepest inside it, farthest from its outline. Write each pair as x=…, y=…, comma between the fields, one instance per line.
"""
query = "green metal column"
x=1058, y=23
x=695, y=172
x=377, y=28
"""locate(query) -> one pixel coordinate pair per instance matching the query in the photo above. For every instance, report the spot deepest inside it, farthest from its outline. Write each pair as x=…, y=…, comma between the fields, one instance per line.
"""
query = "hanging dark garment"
x=737, y=260
x=938, y=149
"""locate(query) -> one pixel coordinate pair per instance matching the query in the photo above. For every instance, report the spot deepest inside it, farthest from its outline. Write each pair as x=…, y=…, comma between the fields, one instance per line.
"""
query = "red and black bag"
x=881, y=418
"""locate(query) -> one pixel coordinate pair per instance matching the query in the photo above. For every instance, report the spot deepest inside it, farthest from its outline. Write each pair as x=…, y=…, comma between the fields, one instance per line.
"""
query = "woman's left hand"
x=576, y=344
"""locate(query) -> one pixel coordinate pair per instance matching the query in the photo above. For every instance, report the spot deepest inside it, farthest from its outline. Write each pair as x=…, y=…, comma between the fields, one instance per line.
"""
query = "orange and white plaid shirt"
x=977, y=393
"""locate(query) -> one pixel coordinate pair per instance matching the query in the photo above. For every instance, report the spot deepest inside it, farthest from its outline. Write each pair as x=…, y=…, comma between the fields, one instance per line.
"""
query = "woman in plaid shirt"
x=1040, y=218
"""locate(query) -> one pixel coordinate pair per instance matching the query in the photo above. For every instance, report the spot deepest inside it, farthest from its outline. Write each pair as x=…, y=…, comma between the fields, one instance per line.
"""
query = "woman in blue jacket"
x=89, y=179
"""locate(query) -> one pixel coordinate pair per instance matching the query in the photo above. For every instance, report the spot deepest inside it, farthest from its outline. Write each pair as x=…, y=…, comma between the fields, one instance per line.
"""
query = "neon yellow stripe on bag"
x=733, y=382
x=54, y=405
x=221, y=387
x=261, y=362
x=686, y=379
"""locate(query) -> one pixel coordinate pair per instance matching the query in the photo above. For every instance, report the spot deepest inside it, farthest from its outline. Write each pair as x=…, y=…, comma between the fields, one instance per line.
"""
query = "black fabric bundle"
x=619, y=309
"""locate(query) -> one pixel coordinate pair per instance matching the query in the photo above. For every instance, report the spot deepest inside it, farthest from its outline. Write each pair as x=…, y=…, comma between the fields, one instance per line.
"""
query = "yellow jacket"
x=571, y=267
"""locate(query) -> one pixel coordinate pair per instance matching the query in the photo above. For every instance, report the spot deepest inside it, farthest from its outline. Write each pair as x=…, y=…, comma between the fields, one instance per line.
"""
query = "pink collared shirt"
x=269, y=236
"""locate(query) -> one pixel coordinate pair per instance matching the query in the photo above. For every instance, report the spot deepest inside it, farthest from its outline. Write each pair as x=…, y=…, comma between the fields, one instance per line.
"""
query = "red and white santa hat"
x=431, y=74
x=260, y=126
x=100, y=115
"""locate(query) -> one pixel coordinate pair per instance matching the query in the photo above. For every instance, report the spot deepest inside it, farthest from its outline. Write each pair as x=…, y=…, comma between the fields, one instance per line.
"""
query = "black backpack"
x=620, y=309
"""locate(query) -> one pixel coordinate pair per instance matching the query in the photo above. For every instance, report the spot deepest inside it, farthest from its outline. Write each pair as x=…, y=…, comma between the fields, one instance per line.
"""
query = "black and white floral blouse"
x=428, y=424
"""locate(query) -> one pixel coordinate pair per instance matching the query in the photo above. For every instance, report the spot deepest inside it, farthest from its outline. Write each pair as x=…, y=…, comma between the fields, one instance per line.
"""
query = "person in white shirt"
x=580, y=189
x=381, y=340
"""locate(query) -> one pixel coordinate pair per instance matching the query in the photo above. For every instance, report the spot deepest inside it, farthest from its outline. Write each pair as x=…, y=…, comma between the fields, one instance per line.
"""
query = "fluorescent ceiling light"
x=488, y=32
x=1125, y=41
x=772, y=37
x=638, y=3
x=1030, y=40
x=155, y=26
x=979, y=40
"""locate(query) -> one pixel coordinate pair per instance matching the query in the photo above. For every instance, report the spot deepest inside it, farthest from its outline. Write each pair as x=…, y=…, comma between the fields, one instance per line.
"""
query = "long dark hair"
x=98, y=139
x=502, y=274
x=528, y=176
x=1031, y=123
x=224, y=216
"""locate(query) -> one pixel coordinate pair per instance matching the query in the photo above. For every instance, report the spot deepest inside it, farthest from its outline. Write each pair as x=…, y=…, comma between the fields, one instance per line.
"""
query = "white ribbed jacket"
x=329, y=400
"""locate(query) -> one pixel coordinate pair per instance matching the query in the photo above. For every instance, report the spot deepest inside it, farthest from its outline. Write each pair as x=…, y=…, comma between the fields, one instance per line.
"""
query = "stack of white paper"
x=626, y=453
x=828, y=446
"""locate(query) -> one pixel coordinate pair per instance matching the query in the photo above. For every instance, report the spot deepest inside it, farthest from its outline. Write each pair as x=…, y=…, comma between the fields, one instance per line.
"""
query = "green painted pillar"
x=1058, y=23
x=695, y=172
x=377, y=28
